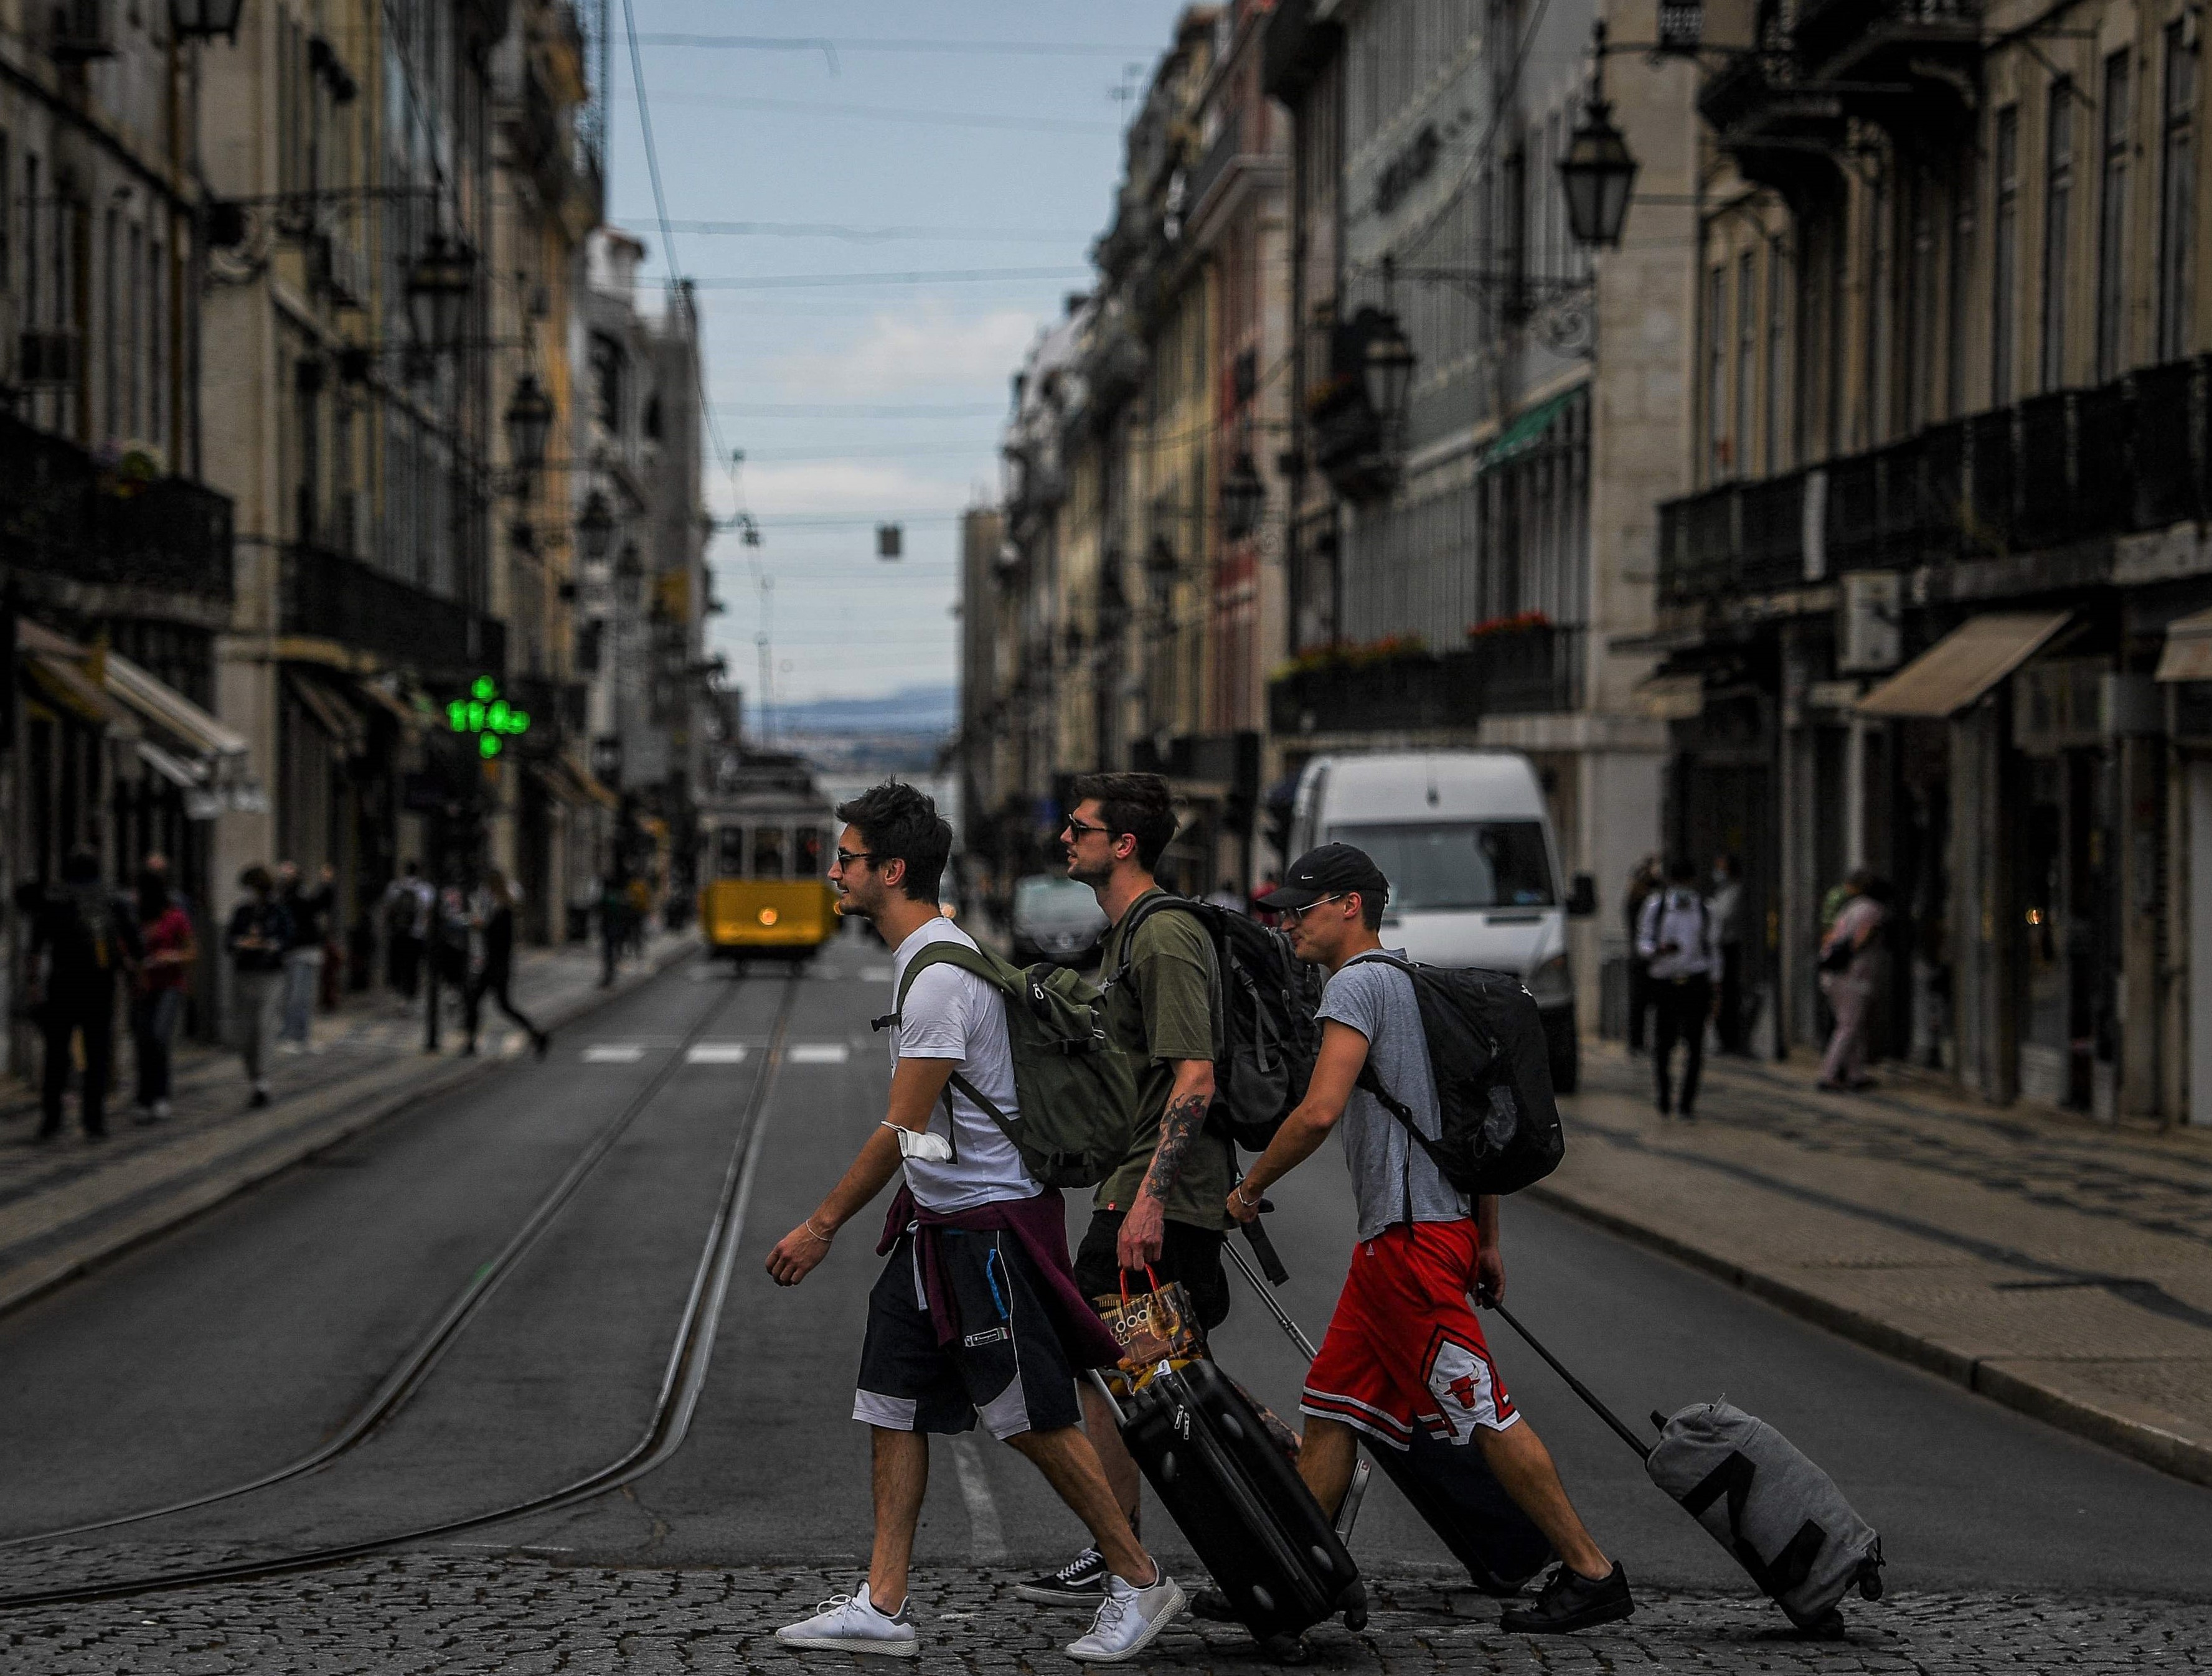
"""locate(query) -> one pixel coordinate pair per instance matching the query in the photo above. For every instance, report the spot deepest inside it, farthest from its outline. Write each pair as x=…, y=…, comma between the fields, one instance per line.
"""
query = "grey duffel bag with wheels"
x=1761, y=1498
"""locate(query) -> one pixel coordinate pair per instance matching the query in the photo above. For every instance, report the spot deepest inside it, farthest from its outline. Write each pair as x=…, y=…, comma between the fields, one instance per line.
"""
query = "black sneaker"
x=1080, y=1582
x=1571, y=1601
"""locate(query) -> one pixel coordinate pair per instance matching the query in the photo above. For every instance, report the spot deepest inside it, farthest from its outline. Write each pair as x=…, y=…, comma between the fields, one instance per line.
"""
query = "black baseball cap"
x=1332, y=869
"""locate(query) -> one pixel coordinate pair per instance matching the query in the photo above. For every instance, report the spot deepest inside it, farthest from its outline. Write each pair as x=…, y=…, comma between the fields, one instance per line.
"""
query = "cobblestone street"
x=519, y=1615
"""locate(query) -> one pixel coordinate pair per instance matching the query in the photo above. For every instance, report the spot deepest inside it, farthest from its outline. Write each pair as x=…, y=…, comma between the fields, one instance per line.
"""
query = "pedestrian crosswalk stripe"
x=613, y=1053
x=875, y=975
x=821, y=1053
x=716, y=1052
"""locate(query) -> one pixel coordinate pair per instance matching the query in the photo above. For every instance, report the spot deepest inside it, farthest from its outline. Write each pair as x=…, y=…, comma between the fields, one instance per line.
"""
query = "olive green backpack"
x=1077, y=1091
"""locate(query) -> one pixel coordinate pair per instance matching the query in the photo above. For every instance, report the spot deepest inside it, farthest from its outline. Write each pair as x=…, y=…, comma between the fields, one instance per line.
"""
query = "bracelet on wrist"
x=809, y=1226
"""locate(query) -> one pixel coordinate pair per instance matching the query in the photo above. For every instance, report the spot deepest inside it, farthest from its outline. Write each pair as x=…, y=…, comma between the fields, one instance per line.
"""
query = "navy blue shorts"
x=1005, y=1362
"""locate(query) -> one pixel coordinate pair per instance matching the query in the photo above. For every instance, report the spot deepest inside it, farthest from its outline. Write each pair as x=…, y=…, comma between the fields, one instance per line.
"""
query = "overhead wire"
x=890, y=114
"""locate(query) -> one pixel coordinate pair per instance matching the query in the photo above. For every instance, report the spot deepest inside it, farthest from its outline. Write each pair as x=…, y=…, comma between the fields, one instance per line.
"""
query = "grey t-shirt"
x=1393, y=1178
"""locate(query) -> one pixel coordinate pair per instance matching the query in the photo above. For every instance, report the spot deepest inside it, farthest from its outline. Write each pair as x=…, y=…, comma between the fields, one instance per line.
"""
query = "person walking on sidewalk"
x=260, y=931
x=1727, y=905
x=81, y=941
x=307, y=909
x=1677, y=937
x=614, y=907
x=495, y=919
x=167, y=952
x=1849, y=955
x=1643, y=885
x=406, y=912
x=1161, y=1209
x=1403, y=1348
x=977, y=1312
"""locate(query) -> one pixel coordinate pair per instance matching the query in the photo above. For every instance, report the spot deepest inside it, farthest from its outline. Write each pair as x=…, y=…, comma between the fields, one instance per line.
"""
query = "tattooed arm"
x=1144, y=1230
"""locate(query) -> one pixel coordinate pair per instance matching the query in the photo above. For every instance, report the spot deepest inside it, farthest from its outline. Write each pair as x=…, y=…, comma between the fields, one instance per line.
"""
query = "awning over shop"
x=2188, y=655
x=1525, y=430
x=1670, y=697
x=116, y=693
x=334, y=715
x=1965, y=663
x=567, y=780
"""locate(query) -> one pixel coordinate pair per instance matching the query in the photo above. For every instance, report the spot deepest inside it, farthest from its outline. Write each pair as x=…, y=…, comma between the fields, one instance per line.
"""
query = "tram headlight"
x=768, y=916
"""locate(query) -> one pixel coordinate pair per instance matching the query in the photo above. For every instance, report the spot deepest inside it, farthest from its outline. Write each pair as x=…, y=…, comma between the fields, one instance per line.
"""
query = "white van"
x=1465, y=839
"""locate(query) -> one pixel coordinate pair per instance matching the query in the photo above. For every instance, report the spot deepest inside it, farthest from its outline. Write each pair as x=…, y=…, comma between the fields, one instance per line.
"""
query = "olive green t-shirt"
x=1160, y=1011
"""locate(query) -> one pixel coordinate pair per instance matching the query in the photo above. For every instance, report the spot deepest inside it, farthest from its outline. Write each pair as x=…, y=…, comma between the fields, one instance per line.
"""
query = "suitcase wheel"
x=1870, y=1580
x=1352, y=1603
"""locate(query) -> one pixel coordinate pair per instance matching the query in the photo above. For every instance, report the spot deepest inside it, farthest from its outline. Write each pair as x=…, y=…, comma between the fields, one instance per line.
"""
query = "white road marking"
x=613, y=1053
x=716, y=1052
x=987, y=1537
x=821, y=1053
x=875, y=975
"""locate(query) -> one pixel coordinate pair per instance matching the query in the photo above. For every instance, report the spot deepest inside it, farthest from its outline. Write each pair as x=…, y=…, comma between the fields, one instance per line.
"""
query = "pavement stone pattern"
x=57, y=1199
x=520, y=1614
x=2062, y=1266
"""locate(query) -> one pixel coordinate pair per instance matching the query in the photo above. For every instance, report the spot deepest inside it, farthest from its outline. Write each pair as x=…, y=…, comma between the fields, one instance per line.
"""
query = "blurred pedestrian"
x=308, y=911
x=82, y=942
x=1267, y=887
x=1727, y=905
x=167, y=951
x=1644, y=883
x=613, y=905
x=1850, y=954
x=495, y=921
x=1675, y=936
x=259, y=932
x=637, y=900
x=406, y=912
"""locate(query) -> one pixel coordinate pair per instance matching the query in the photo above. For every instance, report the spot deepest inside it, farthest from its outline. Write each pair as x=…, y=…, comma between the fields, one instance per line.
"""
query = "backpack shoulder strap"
x=1372, y=1080
x=1143, y=911
x=941, y=954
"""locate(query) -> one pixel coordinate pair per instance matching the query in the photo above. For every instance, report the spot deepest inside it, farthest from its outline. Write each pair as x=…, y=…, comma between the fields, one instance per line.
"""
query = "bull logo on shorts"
x=1466, y=1389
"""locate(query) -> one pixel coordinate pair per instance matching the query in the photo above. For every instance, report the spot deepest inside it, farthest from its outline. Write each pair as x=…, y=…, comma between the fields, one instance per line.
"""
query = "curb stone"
x=344, y=1114
x=2154, y=1446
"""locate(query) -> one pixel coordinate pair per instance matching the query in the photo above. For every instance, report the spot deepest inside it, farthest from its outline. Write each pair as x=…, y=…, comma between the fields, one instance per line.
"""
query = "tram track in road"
x=675, y=1403
x=407, y=1375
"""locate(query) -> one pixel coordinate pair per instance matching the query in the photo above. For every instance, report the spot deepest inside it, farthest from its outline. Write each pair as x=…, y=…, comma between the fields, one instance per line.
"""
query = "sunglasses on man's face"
x=1079, y=828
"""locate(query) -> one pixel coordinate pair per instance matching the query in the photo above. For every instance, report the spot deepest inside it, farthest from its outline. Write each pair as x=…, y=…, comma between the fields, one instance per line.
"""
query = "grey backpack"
x=1761, y=1498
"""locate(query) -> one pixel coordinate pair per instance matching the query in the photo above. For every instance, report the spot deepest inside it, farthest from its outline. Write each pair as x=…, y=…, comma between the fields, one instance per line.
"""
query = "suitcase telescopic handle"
x=1643, y=1449
x=1267, y=1297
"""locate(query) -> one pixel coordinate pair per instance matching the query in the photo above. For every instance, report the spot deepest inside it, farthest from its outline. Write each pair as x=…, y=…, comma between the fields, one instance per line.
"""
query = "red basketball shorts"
x=1404, y=1347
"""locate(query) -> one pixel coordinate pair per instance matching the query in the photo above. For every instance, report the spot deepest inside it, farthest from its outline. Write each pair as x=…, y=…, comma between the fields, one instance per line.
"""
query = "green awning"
x=1526, y=429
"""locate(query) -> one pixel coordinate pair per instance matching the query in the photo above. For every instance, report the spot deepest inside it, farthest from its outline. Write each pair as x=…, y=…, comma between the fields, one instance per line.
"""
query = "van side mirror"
x=1581, y=899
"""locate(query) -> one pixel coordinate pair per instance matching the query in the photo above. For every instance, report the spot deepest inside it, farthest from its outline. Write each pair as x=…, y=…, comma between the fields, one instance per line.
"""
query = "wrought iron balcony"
x=1909, y=65
x=2055, y=470
x=63, y=514
x=1781, y=132
x=1535, y=671
x=327, y=596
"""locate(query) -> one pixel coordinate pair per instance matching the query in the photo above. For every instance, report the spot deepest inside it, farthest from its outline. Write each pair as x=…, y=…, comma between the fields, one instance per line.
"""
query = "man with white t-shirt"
x=976, y=1314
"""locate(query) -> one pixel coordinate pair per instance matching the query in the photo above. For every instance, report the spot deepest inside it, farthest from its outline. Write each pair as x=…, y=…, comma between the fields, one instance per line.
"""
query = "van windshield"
x=1459, y=864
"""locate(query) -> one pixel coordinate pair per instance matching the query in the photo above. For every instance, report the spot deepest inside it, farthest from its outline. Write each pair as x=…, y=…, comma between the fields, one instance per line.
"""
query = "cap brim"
x=1290, y=895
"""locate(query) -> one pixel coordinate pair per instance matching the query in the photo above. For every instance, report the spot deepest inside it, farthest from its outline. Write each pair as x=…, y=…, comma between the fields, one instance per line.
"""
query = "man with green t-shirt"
x=1164, y=1209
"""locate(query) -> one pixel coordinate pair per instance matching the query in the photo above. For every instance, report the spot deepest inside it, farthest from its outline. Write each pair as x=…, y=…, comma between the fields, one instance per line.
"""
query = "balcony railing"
x=62, y=513
x=1528, y=671
x=2053, y=471
x=328, y=596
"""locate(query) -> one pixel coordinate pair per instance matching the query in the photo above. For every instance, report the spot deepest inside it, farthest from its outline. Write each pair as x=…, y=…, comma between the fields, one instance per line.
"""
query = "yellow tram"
x=764, y=863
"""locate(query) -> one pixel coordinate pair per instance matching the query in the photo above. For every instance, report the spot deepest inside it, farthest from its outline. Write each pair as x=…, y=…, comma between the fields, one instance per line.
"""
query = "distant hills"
x=932, y=712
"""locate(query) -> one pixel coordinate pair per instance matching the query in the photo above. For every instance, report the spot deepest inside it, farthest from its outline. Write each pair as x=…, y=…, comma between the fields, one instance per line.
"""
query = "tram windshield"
x=730, y=852
x=768, y=852
x=807, y=863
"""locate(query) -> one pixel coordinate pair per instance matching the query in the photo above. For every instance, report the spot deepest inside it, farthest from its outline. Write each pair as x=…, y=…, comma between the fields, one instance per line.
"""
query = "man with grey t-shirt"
x=1404, y=1348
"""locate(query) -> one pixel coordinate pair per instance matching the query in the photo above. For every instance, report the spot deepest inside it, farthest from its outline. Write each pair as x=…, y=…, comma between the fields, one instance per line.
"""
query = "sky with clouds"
x=881, y=202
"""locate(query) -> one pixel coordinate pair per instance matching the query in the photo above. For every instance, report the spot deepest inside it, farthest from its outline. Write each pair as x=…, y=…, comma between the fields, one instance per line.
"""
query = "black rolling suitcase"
x=1250, y=1517
x=1778, y=1515
x=1448, y=1484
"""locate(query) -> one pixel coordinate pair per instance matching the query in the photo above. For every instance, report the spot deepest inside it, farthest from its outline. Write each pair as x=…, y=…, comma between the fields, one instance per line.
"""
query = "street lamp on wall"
x=1386, y=364
x=1598, y=173
x=204, y=20
x=629, y=577
x=439, y=287
x=595, y=527
x=529, y=420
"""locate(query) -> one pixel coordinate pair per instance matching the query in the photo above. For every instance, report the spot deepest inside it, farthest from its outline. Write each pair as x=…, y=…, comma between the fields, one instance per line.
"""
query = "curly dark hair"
x=899, y=823
x=1136, y=803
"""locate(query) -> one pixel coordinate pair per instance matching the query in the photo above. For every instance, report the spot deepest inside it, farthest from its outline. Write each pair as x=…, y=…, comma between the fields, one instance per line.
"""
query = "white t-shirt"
x=950, y=1014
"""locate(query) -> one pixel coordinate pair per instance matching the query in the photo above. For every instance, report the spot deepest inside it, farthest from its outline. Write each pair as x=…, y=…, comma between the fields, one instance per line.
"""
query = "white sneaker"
x=1128, y=1620
x=851, y=1624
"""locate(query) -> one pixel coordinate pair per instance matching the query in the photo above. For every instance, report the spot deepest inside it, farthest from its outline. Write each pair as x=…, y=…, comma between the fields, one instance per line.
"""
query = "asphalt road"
x=238, y=1342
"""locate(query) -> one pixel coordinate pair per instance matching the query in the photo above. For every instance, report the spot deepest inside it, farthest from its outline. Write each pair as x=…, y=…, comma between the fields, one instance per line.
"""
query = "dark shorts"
x=1192, y=1255
x=1005, y=1363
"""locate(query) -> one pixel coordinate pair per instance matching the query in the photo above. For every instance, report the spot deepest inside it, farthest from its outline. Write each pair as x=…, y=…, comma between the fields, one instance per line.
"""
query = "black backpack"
x=1270, y=1035
x=1494, y=1075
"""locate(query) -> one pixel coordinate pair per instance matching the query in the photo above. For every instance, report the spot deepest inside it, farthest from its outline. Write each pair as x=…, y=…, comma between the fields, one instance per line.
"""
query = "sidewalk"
x=70, y=1203
x=2058, y=1266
